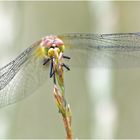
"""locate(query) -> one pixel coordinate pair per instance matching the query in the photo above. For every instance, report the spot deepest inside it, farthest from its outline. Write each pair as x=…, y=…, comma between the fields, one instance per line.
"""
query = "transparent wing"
x=103, y=50
x=22, y=76
x=26, y=73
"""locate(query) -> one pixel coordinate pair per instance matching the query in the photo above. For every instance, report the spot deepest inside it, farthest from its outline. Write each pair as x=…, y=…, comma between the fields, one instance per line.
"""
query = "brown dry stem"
x=63, y=106
x=65, y=111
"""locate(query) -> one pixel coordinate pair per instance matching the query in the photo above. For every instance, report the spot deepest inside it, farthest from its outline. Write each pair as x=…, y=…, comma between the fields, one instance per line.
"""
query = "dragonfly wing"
x=22, y=76
x=103, y=50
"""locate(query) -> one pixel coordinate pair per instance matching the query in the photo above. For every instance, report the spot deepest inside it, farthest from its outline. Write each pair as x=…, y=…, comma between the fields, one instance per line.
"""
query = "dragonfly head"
x=52, y=46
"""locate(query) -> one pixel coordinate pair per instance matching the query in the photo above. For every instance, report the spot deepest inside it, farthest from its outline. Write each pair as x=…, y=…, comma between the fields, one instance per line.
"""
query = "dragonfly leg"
x=46, y=61
x=51, y=69
x=65, y=66
x=66, y=57
x=52, y=72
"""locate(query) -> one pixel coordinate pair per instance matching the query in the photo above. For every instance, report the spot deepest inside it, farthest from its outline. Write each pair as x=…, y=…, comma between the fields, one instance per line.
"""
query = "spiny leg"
x=66, y=57
x=51, y=69
x=46, y=61
x=52, y=72
x=66, y=66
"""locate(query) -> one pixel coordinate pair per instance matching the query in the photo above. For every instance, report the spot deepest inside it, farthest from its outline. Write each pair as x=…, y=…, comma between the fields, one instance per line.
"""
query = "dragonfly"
x=27, y=72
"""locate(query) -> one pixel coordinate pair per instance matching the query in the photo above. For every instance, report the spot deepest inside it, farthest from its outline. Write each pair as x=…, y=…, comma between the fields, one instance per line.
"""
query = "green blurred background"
x=105, y=103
